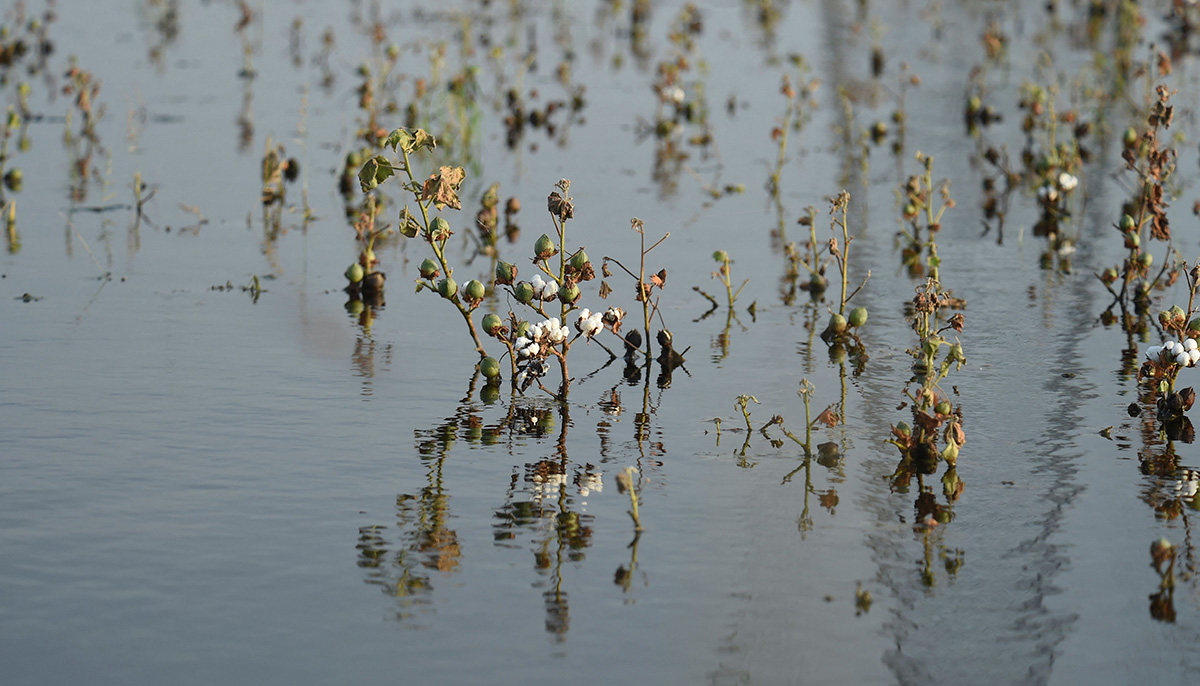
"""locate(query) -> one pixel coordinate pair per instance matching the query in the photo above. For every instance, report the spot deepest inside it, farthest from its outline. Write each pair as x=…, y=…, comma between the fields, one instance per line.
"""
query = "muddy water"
x=204, y=484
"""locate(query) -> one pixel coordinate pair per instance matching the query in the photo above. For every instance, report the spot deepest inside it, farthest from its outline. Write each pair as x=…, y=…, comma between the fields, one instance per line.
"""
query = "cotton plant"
x=531, y=346
x=1163, y=363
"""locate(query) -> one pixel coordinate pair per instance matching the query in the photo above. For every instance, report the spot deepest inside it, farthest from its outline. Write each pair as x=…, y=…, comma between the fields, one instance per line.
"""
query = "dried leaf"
x=828, y=418
x=442, y=187
x=1187, y=397
x=659, y=279
x=605, y=290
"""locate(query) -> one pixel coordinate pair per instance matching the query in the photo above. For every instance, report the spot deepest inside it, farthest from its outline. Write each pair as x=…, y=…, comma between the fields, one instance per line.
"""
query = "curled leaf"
x=442, y=187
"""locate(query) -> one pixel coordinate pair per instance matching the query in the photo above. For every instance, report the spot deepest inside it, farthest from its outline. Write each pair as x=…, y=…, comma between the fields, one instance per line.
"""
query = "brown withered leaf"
x=560, y=207
x=956, y=322
x=828, y=418
x=925, y=422
x=1187, y=397
x=659, y=279
x=605, y=290
x=442, y=187
x=956, y=434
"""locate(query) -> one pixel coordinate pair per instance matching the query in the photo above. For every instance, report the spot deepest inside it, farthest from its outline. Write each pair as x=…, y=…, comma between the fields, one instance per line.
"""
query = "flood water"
x=218, y=467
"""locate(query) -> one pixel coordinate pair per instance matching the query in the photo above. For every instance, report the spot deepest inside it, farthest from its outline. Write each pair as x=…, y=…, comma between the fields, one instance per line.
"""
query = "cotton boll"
x=537, y=282
x=523, y=342
x=550, y=291
x=1182, y=359
x=1194, y=355
x=1190, y=344
x=1152, y=352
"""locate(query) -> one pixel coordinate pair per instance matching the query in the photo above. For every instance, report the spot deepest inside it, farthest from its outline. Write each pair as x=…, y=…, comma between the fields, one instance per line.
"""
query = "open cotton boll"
x=550, y=291
x=537, y=282
x=1152, y=352
x=532, y=350
x=1194, y=355
x=1190, y=344
x=523, y=342
x=1182, y=359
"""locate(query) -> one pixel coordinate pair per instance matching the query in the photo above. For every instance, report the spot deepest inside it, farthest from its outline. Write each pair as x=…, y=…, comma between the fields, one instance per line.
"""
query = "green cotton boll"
x=447, y=288
x=429, y=269
x=492, y=324
x=523, y=292
x=544, y=247
x=579, y=260
x=489, y=367
x=355, y=273
x=475, y=290
x=858, y=317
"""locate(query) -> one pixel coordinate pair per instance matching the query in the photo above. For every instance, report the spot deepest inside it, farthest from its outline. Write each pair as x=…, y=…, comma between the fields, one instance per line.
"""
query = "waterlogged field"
x=724, y=342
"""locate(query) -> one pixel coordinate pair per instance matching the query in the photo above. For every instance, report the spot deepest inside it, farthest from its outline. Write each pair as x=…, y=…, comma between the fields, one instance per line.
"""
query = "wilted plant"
x=1053, y=159
x=936, y=431
x=921, y=218
x=1164, y=362
x=1145, y=217
x=437, y=192
x=841, y=323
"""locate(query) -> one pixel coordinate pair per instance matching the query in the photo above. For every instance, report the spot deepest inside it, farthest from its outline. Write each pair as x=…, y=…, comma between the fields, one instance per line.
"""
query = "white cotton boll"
x=532, y=350
x=537, y=282
x=1152, y=352
x=536, y=332
x=550, y=291
x=1169, y=346
x=554, y=323
x=1194, y=356
x=1182, y=359
x=1188, y=488
x=1190, y=344
x=1067, y=182
x=584, y=314
x=523, y=342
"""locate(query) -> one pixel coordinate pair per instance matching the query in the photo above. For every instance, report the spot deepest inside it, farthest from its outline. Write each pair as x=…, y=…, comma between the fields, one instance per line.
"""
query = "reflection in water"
x=544, y=509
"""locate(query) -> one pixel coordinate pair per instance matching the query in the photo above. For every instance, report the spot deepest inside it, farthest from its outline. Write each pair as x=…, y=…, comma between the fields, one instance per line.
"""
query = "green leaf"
x=409, y=226
x=401, y=138
x=375, y=171
x=421, y=139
